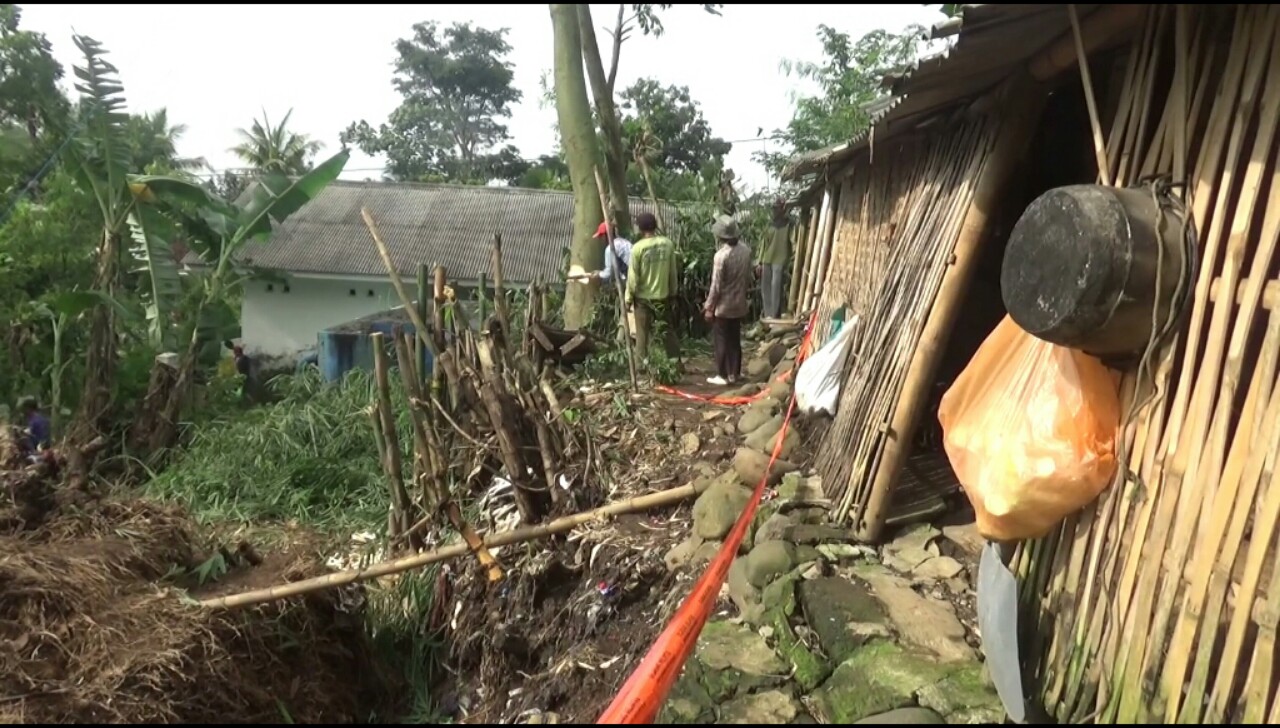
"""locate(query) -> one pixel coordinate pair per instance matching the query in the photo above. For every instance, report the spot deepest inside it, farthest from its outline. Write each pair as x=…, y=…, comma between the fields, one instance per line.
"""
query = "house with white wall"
x=325, y=270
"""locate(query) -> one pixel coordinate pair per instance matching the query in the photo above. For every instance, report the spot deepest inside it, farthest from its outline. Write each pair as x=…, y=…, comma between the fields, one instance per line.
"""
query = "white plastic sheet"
x=818, y=381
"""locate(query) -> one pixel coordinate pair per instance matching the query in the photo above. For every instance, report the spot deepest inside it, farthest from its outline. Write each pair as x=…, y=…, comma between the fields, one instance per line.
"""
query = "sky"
x=218, y=67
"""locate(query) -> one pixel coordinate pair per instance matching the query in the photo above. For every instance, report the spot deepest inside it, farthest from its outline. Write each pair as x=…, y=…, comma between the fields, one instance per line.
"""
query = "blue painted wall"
x=341, y=351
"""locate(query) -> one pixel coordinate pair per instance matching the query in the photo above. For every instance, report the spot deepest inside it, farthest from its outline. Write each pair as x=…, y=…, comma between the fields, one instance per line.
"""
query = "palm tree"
x=270, y=148
x=154, y=141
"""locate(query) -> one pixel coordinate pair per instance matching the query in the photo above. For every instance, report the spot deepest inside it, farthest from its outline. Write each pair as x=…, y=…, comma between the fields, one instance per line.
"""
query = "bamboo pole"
x=420, y=326
x=617, y=285
x=1022, y=110
x=824, y=249
x=500, y=291
x=396, y=566
x=1091, y=103
x=392, y=462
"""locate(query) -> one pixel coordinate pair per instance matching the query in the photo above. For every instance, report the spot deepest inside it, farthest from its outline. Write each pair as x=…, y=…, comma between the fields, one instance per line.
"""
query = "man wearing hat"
x=771, y=260
x=726, y=303
x=621, y=249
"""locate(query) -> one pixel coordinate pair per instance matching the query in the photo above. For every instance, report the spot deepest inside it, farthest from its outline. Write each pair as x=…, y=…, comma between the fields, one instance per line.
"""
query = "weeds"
x=310, y=457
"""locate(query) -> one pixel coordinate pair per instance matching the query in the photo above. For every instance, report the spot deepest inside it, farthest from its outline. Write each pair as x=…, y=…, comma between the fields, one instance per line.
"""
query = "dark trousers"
x=726, y=337
x=648, y=313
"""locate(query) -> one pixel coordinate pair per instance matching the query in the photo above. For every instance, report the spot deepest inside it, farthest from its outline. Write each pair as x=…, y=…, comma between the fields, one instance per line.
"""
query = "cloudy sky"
x=217, y=67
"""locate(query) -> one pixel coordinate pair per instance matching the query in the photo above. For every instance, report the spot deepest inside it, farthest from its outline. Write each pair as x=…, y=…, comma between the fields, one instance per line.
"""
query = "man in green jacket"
x=771, y=260
x=652, y=284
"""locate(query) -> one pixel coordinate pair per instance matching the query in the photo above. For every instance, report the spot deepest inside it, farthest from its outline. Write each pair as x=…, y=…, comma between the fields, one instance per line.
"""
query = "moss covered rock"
x=877, y=678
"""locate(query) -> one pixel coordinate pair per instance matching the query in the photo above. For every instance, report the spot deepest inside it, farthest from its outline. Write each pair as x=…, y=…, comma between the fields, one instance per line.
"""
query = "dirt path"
x=812, y=628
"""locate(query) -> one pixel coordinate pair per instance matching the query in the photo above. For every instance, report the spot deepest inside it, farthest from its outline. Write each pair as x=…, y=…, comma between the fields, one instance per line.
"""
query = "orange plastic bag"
x=1029, y=428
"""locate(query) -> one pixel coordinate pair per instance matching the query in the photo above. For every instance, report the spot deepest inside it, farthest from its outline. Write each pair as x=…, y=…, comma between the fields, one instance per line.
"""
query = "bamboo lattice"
x=898, y=219
x=1159, y=603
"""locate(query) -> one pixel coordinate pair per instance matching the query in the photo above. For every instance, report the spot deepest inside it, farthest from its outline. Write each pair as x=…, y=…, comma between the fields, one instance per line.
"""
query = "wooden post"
x=1020, y=105
x=617, y=285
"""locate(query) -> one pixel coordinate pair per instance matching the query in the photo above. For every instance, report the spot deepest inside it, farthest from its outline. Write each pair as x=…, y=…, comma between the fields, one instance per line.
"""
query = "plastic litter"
x=1029, y=428
x=820, y=376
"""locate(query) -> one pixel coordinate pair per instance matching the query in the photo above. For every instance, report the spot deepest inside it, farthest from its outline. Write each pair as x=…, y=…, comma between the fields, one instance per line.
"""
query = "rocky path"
x=814, y=628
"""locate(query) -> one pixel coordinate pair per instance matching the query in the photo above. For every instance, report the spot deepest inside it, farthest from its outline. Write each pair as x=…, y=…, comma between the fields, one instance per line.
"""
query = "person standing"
x=244, y=368
x=652, y=283
x=726, y=303
x=771, y=260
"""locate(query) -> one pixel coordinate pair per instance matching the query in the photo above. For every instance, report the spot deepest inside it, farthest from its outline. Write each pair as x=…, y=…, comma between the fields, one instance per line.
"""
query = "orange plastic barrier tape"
x=645, y=690
x=722, y=399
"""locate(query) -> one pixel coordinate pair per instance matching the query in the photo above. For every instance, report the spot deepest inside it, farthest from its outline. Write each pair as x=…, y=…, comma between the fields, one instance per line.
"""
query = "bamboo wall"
x=1160, y=602
x=894, y=221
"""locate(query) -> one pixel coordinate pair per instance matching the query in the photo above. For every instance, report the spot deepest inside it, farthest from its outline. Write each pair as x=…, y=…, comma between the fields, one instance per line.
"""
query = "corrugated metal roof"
x=992, y=41
x=450, y=225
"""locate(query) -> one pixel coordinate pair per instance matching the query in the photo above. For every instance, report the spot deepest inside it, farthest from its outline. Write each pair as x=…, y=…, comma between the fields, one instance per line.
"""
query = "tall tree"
x=269, y=148
x=457, y=88
x=646, y=16
x=578, y=139
x=848, y=79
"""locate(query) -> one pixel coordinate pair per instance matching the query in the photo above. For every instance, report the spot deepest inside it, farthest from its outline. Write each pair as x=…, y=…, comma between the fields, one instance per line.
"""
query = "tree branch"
x=618, y=36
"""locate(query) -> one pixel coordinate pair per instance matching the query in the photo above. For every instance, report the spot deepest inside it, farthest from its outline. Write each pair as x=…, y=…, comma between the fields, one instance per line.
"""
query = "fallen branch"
x=396, y=566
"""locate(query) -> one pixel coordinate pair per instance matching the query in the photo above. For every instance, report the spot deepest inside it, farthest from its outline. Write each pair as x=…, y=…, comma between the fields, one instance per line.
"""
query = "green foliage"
x=667, y=125
x=153, y=144
x=274, y=148
x=646, y=16
x=457, y=87
x=29, y=75
x=310, y=457
x=848, y=79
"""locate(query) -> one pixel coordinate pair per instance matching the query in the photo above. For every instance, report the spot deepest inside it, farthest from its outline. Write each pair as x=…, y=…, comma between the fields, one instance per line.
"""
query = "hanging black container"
x=1080, y=269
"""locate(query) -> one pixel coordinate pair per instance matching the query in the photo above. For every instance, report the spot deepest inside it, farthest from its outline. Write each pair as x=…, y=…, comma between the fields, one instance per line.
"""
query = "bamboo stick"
x=1095, y=123
x=1188, y=463
x=617, y=285
x=420, y=326
x=1224, y=411
x=499, y=290
x=427, y=448
x=396, y=566
x=392, y=463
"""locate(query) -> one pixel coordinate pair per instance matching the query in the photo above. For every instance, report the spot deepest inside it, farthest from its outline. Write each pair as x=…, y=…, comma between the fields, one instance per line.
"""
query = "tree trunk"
x=615, y=157
x=578, y=137
x=100, y=364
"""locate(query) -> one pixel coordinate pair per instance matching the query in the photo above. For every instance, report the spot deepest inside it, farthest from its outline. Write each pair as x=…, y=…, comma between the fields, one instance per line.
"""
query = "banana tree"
x=99, y=157
x=217, y=231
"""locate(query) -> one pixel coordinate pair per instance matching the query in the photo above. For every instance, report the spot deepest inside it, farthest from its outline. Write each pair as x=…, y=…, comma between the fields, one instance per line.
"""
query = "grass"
x=310, y=457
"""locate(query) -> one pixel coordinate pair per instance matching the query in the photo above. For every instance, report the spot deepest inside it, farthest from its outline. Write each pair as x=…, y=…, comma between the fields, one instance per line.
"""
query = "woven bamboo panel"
x=1160, y=602
x=897, y=222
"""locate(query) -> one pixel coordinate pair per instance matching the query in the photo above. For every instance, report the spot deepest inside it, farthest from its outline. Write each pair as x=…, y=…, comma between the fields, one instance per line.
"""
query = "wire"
x=39, y=175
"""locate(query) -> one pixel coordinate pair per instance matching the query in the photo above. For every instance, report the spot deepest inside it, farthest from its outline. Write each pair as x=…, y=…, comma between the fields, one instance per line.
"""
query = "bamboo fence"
x=893, y=237
x=1160, y=602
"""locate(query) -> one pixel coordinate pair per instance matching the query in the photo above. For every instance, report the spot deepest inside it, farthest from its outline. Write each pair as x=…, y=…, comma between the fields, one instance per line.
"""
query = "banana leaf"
x=276, y=196
x=164, y=286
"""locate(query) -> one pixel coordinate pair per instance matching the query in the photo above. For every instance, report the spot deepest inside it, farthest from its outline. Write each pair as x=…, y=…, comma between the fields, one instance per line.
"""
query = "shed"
x=1157, y=603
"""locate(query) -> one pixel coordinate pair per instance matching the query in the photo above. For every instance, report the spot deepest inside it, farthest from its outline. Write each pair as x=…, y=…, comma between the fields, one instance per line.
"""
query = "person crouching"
x=726, y=304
